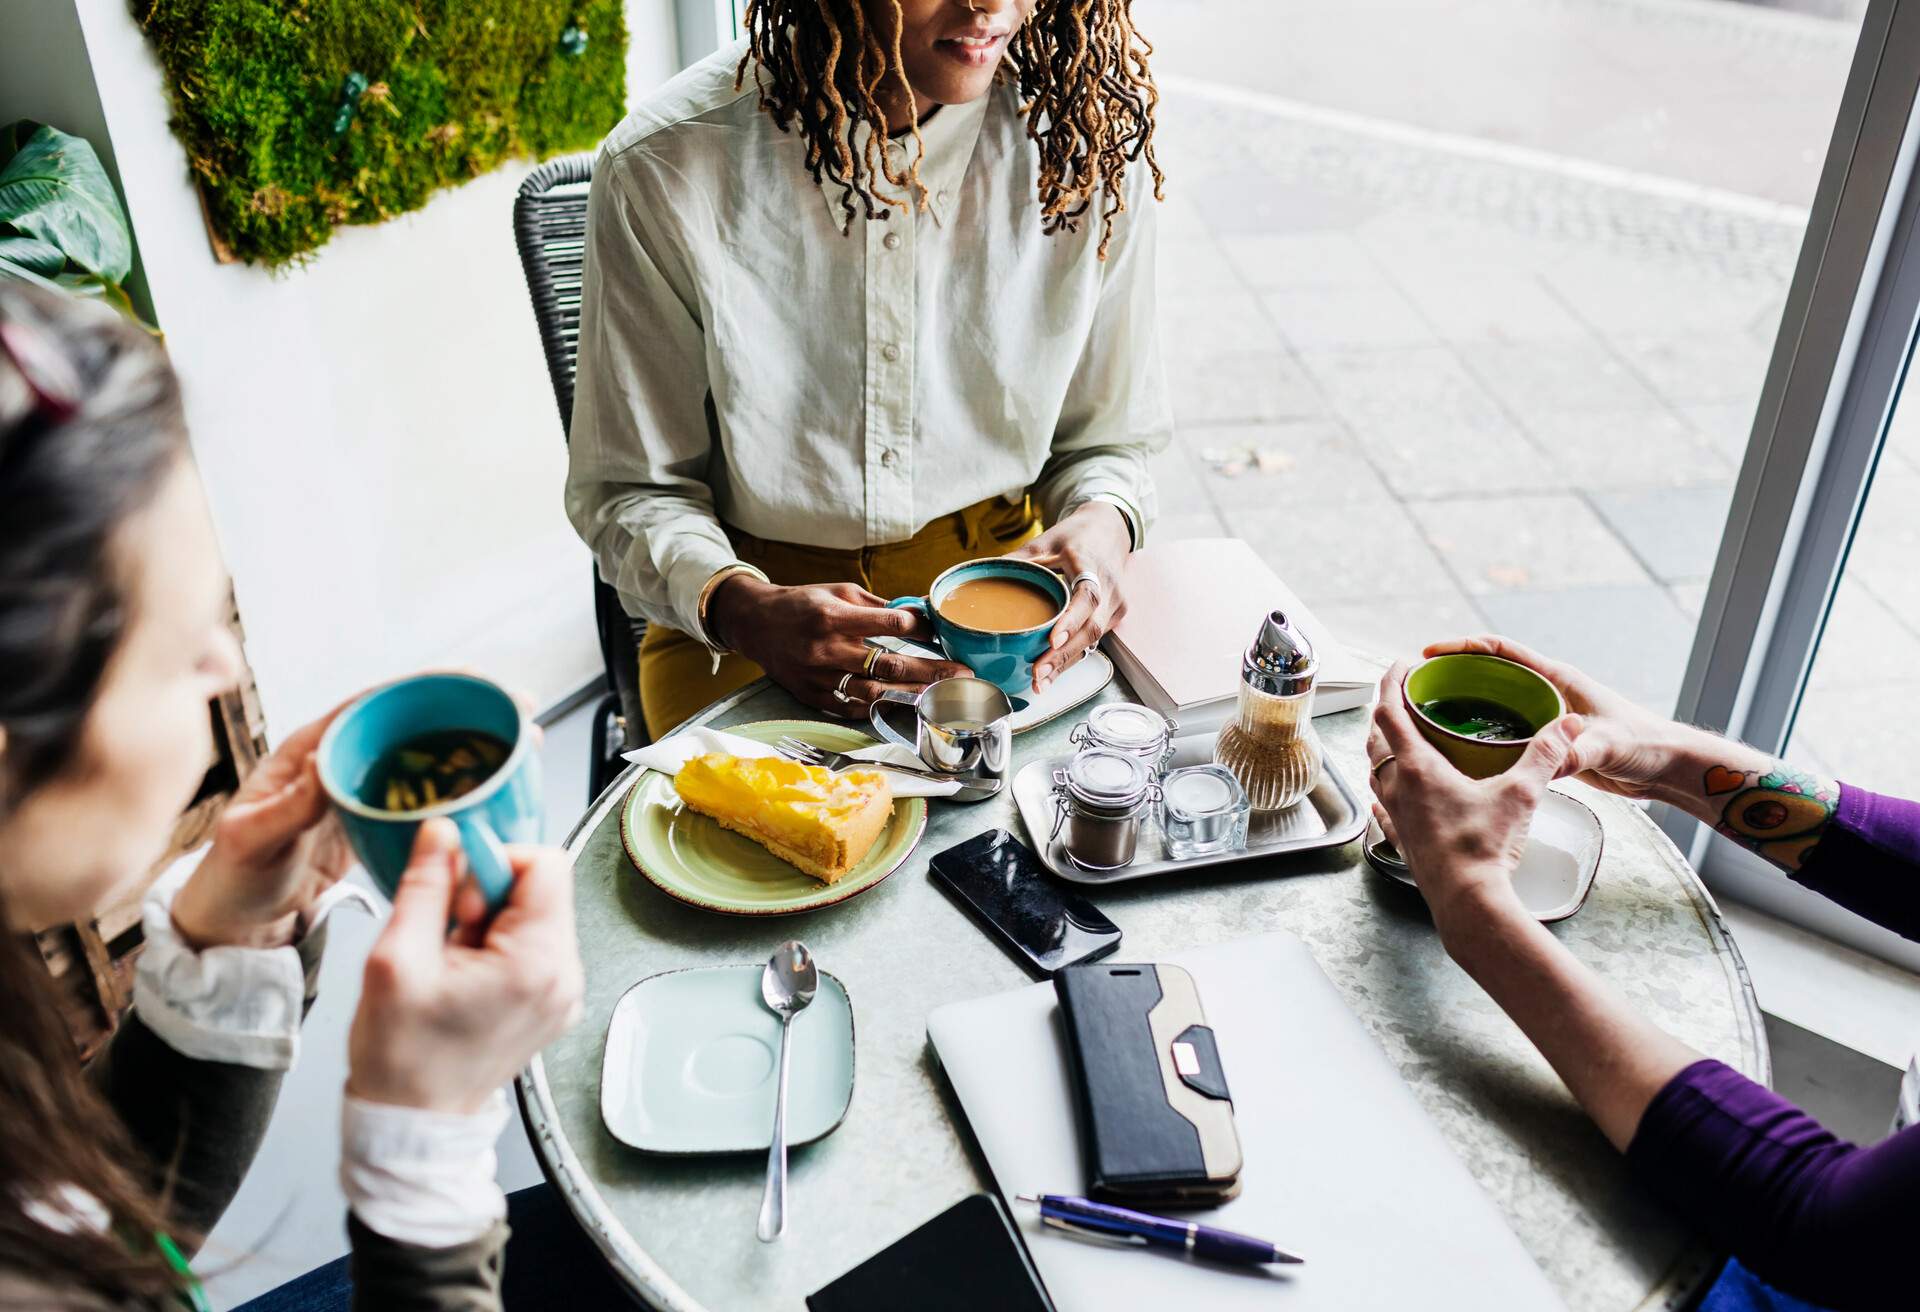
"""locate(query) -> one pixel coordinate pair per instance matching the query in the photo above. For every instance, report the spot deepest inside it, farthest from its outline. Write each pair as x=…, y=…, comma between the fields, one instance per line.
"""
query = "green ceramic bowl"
x=1488, y=678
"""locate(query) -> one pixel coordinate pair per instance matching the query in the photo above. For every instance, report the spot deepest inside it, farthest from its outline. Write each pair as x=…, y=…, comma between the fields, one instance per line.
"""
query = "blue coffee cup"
x=505, y=808
x=1004, y=659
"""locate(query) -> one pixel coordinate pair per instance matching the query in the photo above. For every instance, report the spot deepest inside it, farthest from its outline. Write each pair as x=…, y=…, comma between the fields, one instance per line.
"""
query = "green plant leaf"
x=24, y=274
x=97, y=288
x=55, y=190
x=42, y=257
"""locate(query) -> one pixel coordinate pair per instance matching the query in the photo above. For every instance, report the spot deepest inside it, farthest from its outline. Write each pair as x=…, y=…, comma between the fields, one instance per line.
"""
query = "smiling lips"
x=973, y=51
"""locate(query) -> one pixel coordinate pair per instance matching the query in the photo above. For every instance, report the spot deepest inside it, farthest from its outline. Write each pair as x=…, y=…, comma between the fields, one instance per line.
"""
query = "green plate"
x=690, y=857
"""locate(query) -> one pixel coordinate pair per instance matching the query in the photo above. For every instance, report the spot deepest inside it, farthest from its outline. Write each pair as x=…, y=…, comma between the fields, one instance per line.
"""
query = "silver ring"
x=873, y=659
x=840, y=689
x=1087, y=577
x=1380, y=765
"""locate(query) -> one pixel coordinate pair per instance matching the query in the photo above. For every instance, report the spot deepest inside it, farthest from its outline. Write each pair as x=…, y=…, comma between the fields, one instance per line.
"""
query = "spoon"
x=787, y=985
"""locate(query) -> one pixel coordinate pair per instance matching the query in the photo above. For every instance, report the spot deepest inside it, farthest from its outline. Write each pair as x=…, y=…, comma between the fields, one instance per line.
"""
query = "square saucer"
x=692, y=1062
x=1556, y=869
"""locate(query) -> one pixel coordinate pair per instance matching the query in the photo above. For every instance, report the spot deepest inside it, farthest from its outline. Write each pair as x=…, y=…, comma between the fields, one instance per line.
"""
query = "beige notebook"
x=1193, y=608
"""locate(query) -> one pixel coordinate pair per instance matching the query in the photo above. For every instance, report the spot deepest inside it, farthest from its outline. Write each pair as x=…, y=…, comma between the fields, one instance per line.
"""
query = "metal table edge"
x=558, y=1160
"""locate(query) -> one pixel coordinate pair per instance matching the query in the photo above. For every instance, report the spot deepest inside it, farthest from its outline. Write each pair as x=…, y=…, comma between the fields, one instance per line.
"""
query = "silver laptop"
x=1342, y=1166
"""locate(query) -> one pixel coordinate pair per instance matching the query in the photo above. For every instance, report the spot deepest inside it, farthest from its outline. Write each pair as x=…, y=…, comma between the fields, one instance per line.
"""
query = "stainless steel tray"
x=1332, y=814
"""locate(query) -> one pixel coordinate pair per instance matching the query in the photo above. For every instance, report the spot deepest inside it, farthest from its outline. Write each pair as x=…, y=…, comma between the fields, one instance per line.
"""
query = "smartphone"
x=1000, y=880
x=968, y=1257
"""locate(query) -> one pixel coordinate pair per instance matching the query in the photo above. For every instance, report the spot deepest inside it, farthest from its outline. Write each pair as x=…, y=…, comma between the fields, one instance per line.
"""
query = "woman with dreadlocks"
x=866, y=295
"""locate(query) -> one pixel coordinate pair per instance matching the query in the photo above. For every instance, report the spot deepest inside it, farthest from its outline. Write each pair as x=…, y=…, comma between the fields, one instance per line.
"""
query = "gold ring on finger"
x=1381, y=764
x=873, y=659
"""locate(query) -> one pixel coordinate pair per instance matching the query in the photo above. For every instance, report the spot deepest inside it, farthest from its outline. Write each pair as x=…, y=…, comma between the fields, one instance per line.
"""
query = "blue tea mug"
x=505, y=808
x=1004, y=659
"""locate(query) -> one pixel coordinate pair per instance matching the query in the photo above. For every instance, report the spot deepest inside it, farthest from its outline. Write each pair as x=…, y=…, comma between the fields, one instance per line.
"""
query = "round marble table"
x=681, y=1231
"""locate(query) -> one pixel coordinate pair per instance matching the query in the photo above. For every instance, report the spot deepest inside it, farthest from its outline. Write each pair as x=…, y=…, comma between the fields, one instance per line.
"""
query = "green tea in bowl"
x=1480, y=711
x=1476, y=717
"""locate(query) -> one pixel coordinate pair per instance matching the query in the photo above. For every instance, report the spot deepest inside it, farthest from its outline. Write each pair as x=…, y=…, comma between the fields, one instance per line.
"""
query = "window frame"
x=1835, y=374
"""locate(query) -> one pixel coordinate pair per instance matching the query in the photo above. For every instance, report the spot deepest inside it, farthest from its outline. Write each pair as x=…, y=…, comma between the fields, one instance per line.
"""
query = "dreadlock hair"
x=1080, y=67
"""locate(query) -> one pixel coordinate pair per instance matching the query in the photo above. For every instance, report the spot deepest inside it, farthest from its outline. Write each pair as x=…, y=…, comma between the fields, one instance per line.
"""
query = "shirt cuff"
x=422, y=1177
x=229, y=1004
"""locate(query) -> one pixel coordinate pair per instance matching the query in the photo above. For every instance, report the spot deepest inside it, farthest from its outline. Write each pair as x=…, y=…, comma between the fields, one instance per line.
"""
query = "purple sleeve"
x=1869, y=860
x=1815, y=1216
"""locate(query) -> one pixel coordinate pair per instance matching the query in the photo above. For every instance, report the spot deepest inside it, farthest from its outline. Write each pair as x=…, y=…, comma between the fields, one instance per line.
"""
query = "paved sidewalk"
x=1448, y=387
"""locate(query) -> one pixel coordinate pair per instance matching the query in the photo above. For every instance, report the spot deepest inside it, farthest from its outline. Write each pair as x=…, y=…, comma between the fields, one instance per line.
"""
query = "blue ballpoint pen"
x=1127, y=1226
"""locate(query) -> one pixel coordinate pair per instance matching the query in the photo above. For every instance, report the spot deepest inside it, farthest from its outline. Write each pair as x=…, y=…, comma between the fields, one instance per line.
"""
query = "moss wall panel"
x=302, y=115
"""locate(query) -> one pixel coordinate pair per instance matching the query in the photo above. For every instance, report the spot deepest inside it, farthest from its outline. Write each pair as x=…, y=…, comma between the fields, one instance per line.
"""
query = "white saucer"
x=691, y=1058
x=1556, y=870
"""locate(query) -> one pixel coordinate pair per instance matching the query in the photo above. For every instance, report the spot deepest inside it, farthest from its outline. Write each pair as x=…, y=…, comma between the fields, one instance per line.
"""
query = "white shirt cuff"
x=230, y=1004
x=422, y=1177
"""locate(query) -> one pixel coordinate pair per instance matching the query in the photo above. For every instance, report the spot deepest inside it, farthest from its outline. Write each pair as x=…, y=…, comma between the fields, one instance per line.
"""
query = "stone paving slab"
x=1636, y=634
x=1532, y=544
x=1315, y=461
x=1521, y=392
x=1329, y=553
x=1646, y=448
x=1674, y=532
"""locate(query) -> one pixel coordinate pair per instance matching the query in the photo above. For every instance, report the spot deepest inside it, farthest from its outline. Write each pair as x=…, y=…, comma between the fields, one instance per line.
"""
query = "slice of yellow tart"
x=823, y=823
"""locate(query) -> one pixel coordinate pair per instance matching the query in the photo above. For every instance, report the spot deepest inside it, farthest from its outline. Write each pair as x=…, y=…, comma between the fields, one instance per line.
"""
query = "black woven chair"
x=550, y=229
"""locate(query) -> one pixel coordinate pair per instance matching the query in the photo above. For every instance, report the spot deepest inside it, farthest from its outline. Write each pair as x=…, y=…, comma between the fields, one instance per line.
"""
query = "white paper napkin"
x=668, y=755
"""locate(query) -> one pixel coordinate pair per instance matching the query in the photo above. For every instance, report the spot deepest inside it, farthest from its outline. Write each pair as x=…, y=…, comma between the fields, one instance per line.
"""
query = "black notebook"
x=967, y=1258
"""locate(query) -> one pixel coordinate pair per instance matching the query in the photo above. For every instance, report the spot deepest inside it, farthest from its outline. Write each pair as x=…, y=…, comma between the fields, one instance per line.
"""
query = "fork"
x=798, y=749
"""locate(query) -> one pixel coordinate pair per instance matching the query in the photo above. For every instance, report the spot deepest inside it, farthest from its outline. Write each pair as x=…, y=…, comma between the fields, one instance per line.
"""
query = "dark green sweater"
x=201, y=1123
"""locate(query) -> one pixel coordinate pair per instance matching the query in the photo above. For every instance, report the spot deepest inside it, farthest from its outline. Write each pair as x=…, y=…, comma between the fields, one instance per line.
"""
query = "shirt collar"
x=947, y=140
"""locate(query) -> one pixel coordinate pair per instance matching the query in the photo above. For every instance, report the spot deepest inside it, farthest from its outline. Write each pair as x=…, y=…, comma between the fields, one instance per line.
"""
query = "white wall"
x=375, y=429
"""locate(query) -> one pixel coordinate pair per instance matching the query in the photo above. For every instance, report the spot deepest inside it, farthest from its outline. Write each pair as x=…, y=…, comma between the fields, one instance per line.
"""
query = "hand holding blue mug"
x=1088, y=547
x=441, y=728
x=994, y=616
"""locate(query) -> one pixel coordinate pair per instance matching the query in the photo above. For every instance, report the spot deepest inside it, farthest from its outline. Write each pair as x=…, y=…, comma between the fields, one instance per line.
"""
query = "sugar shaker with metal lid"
x=1130, y=728
x=1100, y=798
x=1270, y=745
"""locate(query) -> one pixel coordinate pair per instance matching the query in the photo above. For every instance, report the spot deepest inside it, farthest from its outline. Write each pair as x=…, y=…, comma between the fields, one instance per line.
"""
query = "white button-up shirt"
x=751, y=356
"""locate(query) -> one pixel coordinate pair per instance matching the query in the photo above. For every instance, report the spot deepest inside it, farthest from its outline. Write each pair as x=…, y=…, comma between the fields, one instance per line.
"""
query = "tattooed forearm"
x=1779, y=812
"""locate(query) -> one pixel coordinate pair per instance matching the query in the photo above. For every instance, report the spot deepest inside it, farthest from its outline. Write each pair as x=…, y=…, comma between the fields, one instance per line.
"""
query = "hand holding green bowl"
x=1479, y=711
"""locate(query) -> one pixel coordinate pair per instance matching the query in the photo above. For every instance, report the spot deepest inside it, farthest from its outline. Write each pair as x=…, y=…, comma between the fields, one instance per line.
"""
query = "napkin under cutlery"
x=674, y=751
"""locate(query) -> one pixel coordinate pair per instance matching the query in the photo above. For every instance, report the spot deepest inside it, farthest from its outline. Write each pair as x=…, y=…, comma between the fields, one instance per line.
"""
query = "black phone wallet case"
x=1155, y=1117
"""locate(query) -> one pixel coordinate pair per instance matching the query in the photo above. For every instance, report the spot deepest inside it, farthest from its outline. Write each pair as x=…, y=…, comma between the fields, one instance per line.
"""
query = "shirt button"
x=941, y=196
x=891, y=241
x=887, y=457
x=890, y=353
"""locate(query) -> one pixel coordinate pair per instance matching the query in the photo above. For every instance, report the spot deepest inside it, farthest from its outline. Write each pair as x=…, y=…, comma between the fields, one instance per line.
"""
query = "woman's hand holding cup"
x=1622, y=748
x=1087, y=548
x=1461, y=837
x=445, y=1019
x=275, y=851
x=812, y=641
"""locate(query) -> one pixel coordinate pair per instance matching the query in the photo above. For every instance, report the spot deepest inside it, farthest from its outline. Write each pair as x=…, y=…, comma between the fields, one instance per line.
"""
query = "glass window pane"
x=1857, y=714
x=1467, y=303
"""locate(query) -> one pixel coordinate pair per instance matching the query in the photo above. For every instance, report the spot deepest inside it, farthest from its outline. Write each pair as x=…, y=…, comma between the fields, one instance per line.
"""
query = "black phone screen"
x=967, y=1258
x=1000, y=880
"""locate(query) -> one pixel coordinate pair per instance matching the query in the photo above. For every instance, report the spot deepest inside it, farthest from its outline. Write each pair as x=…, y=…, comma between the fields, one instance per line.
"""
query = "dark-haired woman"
x=867, y=296
x=112, y=640
x=1811, y=1220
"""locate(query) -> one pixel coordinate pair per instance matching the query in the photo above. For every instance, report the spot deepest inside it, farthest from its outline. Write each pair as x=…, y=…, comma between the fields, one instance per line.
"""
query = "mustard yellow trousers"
x=677, y=676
